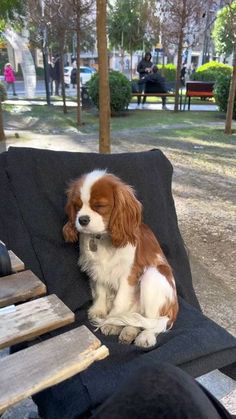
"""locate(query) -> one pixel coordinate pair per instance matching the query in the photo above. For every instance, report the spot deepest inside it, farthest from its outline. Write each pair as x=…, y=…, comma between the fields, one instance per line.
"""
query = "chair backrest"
x=33, y=184
x=199, y=86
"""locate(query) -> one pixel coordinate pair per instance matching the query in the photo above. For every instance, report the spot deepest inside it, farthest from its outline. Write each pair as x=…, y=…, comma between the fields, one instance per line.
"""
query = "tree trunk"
x=104, y=91
x=63, y=91
x=131, y=65
x=122, y=59
x=178, y=70
x=79, y=119
x=2, y=134
x=231, y=98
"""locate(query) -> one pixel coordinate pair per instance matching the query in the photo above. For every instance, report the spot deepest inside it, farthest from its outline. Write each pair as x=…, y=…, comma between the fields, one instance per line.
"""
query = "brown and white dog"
x=133, y=288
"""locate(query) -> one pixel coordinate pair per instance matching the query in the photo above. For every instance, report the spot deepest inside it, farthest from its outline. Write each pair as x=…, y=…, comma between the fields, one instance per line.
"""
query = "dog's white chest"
x=103, y=262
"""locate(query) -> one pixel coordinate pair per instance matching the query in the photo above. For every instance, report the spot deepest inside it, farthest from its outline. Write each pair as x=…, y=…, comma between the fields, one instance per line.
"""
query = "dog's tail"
x=158, y=325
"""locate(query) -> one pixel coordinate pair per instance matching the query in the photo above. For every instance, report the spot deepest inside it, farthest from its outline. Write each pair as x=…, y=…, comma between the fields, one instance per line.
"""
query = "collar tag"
x=92, y=243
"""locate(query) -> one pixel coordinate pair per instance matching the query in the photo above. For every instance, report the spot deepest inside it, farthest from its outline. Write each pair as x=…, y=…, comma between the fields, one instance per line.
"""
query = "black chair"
x=32, y=190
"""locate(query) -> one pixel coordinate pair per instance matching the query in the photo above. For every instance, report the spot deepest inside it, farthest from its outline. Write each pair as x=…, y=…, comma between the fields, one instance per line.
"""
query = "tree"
x=63, y=19
x=82, y=24
x=104, y=93
x=49, y=18
x=133, y=25
x=224, y=35
x=2, y=133
x=8, y=9
x=180, y=22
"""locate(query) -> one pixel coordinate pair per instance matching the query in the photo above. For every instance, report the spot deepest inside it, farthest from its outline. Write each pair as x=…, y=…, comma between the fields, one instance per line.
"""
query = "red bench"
x=198, y=89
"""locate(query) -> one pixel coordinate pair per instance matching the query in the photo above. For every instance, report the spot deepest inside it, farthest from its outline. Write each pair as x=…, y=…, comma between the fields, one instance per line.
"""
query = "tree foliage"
x=8, y=8
x=53, y=23
x=60, y=17
x=133, y=24
x=224, y=32
x=180, y=22
x=184, y=16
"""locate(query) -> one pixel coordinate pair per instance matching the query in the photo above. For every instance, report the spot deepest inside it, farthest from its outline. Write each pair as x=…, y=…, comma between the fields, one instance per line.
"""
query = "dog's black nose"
x=84, y=220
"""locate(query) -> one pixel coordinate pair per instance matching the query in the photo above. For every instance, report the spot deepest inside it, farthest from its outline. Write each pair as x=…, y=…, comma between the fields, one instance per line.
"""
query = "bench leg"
x=180, y=101
x=189, y=100
x=185, y=100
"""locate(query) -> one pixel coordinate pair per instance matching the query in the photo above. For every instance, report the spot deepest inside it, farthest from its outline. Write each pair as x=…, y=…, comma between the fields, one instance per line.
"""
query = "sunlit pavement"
x=170, y=106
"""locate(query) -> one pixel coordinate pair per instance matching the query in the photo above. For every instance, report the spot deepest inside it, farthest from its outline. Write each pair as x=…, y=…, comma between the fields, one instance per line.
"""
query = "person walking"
x=51, y=67
x=57, y=74
x=144, y=67
x=73, y=77
x=183, y=74
x=9, y=77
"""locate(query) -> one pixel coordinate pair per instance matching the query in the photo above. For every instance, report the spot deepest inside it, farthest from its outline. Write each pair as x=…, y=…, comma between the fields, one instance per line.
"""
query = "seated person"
x=155, y=83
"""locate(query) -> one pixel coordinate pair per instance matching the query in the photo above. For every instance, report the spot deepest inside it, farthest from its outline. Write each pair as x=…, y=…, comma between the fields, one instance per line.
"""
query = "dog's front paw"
x=145, y=339
x=128, y=334
x=96, y=313
x=109, y=329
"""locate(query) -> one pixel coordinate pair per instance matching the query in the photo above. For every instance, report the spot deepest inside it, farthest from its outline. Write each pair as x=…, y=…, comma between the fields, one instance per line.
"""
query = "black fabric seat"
x=32, y=188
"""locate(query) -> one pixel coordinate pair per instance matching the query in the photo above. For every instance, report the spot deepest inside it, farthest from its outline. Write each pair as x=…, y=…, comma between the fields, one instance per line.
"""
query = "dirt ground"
x=204, y=190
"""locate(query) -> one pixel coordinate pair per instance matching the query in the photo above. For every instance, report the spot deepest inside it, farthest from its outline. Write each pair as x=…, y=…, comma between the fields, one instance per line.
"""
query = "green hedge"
x=3, y=92
x=169, y=72
x=210, y=71
x=221, y=90
x=39, y=71
x=120, y=91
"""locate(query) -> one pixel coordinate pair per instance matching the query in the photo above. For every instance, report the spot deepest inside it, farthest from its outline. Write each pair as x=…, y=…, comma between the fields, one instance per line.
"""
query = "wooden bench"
x=46, y=363
x=168, y=94
x=202, y=89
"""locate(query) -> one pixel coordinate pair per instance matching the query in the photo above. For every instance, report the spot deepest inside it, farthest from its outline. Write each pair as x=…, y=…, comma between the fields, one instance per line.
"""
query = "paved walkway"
x=158, y=106
x=21, y=100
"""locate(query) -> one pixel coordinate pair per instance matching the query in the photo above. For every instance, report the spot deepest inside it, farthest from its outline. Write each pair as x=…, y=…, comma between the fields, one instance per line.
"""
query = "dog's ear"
x=126, y=216
x=69, y=231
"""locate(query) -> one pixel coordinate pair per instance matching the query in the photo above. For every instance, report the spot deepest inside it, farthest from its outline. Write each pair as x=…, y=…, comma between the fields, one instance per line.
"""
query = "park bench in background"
x=47, y=363
x=169, y=94
x=151, y=93
x=203, y=89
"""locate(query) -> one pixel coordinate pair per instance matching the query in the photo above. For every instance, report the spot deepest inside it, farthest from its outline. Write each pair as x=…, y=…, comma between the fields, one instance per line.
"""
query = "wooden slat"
x=16, y=263
x=21, y=286
x=46, y=364
x=32, y=319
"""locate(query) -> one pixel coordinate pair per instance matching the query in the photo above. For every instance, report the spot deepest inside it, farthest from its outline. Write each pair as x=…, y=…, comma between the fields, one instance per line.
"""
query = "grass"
x=53, y=117
x=190, y=137
x=207, y=147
